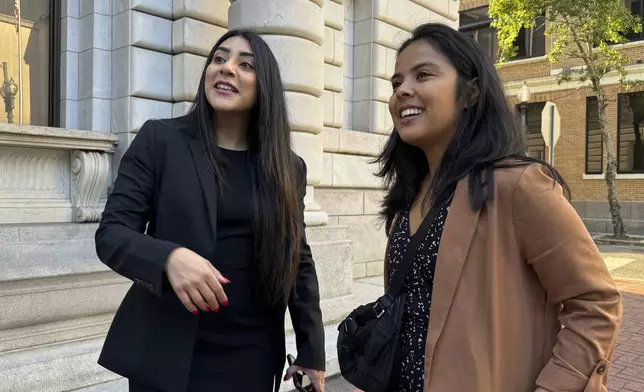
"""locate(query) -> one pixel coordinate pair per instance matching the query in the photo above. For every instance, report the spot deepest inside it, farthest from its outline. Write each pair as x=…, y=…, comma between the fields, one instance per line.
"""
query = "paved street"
x=627, y=372
x=337, y=384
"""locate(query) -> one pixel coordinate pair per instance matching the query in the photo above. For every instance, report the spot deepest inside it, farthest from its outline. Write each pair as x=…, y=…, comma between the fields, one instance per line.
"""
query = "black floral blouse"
x=418, y=288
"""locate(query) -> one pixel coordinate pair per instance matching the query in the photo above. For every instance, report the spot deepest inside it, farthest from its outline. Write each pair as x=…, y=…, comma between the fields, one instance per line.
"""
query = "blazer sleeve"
x=120, y=240
x=304, y=302
x=555, y=242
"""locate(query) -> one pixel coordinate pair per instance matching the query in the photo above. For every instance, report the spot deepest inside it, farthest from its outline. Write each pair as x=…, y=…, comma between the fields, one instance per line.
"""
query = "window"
x=29, y=62
x=535, y=144
x=630, y=131
x=594, y=139
x=532, y=42
x=637, y=8
x=476, y=23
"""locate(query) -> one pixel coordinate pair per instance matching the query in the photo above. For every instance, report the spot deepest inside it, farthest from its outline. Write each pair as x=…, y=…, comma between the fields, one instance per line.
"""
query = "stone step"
x=38, y=251
x=48, y=258
x=327, y=233
x=54, y=368
x=46, y=232
x=12, y=234
x=72, y=367
x=118, y=385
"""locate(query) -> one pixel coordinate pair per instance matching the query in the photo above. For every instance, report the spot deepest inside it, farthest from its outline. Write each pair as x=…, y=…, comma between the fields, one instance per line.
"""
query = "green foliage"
x=579, y=29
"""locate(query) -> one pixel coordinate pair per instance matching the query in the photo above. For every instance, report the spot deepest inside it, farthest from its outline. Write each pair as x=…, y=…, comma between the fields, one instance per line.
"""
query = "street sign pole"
x=552, y=135
x=550, y=129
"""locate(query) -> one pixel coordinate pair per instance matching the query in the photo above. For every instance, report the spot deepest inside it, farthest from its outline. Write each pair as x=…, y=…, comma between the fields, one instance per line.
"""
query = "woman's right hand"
x=195, y=281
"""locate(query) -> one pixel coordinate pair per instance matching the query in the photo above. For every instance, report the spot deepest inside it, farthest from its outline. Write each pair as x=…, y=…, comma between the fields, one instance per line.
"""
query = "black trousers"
x=138, y=388
x=221, y=369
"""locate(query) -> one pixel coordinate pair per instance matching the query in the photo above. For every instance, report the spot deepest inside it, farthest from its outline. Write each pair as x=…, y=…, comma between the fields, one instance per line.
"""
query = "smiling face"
x=424, y=101
x=231, y=82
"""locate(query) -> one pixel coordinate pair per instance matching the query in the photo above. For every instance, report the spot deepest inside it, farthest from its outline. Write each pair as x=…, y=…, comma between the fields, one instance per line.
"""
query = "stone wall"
x=349, y=192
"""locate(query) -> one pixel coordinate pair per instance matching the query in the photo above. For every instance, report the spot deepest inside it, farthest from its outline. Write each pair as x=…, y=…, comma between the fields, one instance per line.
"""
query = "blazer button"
x=601, y=369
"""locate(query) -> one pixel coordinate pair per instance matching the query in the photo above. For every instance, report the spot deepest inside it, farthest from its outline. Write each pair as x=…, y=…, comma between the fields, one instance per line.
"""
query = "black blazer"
x=165, y=183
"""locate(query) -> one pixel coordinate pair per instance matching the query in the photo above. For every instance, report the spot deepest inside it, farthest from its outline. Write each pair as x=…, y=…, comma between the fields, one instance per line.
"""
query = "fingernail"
x=194, y=312
x=215, y=310
x=225, y=303
x=227, y=281
x=208, y=310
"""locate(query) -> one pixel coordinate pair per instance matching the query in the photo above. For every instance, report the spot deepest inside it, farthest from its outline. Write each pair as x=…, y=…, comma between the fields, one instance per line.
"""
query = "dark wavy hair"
x=276, y=211
x=487, y=135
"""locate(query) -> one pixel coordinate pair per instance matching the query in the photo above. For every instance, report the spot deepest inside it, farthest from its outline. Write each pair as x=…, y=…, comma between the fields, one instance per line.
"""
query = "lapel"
x=207, y=180
x=453, y=249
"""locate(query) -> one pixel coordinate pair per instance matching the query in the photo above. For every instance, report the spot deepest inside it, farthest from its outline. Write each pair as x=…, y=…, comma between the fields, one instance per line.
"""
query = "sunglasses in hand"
x=301, y=381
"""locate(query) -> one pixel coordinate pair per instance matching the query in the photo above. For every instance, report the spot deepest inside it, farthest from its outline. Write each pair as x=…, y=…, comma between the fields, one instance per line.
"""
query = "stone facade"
x=125, y=61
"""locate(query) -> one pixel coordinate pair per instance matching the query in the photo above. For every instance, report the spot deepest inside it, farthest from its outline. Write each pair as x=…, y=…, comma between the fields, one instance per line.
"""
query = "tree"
x=583, y=32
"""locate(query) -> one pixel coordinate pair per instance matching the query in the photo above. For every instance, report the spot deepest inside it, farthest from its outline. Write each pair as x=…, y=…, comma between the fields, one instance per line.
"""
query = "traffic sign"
x=550, y=124
x=550, y=129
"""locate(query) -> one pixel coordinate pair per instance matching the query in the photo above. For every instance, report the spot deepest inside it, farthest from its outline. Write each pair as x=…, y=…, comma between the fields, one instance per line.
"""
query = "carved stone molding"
x=90, y=170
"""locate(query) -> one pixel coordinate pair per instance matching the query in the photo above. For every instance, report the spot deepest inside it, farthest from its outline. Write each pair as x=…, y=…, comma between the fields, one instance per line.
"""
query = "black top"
x=245, y=318
x=164, y=198
x=417, y=287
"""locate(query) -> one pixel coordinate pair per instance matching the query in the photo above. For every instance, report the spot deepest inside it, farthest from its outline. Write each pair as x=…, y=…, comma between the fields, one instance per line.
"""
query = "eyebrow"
x=227, y=50
x=415, y=68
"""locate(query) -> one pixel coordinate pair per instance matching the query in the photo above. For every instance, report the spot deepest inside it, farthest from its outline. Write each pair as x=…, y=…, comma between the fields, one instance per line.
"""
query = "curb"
x=633, y=244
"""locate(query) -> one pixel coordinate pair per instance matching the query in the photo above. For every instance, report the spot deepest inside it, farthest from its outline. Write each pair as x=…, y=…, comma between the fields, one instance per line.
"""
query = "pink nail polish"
x=227, y=281
x=195, y=312
x=225, y=303
x=215, y=310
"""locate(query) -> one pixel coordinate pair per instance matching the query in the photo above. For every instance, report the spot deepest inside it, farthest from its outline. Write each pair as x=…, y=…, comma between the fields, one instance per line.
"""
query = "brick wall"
x=525, y=69
x=570, y=151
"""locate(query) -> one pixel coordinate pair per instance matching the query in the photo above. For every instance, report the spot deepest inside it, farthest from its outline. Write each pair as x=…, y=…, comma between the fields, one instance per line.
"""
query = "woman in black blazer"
x=206, y=217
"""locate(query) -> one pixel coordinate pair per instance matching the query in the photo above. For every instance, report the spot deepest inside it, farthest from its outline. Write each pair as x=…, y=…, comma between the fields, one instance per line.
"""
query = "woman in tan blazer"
x=508, y=292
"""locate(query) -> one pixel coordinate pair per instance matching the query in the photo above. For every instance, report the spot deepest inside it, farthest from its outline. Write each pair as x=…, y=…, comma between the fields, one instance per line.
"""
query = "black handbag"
x=369, y=349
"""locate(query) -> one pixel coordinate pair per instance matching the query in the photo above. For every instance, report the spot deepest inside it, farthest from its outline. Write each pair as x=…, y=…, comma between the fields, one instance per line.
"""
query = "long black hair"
x=276, y=211
x=486, y=135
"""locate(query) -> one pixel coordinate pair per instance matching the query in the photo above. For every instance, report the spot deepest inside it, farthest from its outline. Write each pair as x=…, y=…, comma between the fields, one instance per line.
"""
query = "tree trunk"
x=619, y=231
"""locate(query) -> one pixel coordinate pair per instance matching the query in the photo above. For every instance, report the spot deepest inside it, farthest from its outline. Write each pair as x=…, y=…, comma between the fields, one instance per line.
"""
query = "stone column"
x=294, y=29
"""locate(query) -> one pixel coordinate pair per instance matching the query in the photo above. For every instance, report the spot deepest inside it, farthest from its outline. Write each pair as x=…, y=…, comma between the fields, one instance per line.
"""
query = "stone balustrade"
x=55, y=296
x=53, y=175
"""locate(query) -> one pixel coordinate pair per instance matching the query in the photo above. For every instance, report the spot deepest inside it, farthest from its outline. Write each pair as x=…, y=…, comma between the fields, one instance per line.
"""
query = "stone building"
x=579, y=153
x=81, y=77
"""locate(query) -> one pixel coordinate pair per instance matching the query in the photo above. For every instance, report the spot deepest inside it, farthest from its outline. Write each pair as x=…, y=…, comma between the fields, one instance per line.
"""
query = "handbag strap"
x=412, y=249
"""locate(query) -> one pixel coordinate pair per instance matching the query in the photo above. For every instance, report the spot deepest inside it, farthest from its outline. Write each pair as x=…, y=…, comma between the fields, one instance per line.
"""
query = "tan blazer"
x=522, y=298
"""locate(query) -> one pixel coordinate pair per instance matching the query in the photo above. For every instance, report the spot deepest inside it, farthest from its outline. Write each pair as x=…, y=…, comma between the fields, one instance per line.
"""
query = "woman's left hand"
x=316, y=376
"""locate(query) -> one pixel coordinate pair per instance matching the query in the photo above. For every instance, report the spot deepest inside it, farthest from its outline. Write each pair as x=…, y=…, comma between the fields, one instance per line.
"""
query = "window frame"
x=530, y=47
x=53, y=57
x=619, y=126
x=587, y=141
x=533, y=105
x=486, y=23
x=478, y=26
x=55, y=35
x=634, y=37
